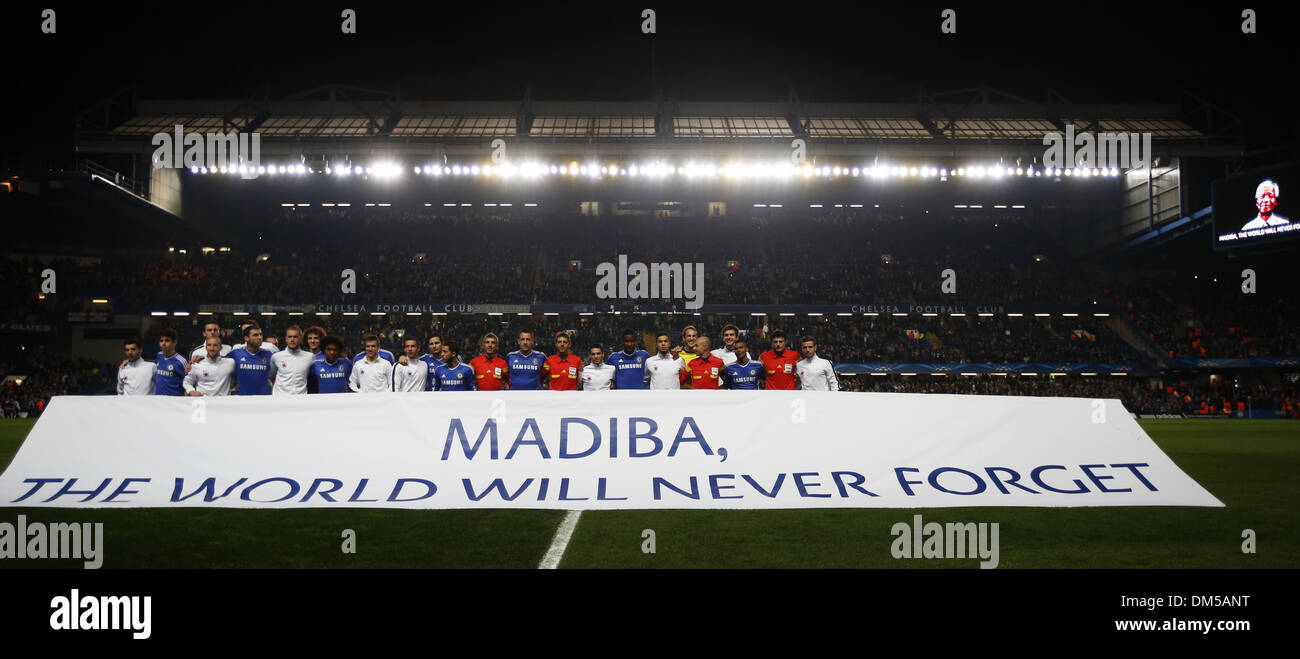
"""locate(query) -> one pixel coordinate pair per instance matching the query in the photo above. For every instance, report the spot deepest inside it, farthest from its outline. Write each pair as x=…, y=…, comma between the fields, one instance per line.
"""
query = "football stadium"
x=567, y=325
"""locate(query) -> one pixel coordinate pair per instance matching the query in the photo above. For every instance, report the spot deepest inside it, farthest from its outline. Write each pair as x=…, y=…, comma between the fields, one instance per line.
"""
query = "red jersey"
x=489, y=374
x=780, y=368
x=562, y=374
x=705, y=370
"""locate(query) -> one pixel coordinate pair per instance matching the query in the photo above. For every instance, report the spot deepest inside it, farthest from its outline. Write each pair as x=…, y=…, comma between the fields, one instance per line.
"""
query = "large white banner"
x=590, y=451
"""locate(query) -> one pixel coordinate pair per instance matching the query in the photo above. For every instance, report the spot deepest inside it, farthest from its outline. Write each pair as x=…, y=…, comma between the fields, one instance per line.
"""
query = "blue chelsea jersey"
x=629, y=370
x=525, y=372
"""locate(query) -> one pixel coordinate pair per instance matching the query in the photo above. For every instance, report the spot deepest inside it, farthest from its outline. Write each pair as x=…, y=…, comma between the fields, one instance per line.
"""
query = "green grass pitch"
x=1253, y=466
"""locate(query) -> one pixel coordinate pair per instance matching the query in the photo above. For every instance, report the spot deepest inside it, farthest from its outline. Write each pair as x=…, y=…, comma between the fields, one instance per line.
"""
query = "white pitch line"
x=561, y=540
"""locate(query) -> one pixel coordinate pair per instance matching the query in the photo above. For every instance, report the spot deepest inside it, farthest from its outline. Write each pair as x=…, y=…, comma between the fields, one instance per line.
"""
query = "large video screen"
x=1250, y=209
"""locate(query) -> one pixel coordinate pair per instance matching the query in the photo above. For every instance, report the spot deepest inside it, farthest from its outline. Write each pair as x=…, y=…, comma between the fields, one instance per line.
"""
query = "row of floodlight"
x=690, y=170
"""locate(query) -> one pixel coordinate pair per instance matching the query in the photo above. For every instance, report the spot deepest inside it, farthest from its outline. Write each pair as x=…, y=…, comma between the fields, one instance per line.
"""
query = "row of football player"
x=258, y=368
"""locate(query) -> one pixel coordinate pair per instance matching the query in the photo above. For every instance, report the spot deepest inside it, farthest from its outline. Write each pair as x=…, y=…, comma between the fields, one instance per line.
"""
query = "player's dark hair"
x=777, y=334
x=132, y=341
x=411, y=338
x=596, y=346
x=331, y=340
x=527, y=331
x=631, y=332
x=168, y=333
x=729, y=326
x=661, y=333
x=249, y=329
x=368, y=336
x=452, y=346
x=435, y=335
x=807, y=339
x=212, y=322
x=314, y=329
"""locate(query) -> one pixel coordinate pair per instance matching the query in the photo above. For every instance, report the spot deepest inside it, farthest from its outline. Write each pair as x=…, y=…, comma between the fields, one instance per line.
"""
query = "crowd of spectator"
x=41, y=375
x=299, y=255
x=1268, y=396
x=1206, y=314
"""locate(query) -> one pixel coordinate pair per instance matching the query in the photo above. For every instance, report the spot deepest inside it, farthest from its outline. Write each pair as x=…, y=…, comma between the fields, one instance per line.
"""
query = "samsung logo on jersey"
x=326, y=376
x=248, y=366
x=524, y=366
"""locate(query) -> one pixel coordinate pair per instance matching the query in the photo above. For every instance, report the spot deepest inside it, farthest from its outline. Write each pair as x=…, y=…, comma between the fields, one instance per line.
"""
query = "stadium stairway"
x=935, y=341
x=537, y=277
x=1136, y=338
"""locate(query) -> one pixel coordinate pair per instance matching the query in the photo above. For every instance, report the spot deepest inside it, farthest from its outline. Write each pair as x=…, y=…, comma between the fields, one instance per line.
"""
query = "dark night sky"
x=1089, y=51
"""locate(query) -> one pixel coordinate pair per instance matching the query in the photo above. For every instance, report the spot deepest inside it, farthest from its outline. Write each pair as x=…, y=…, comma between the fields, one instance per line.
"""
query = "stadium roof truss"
x=346, y=120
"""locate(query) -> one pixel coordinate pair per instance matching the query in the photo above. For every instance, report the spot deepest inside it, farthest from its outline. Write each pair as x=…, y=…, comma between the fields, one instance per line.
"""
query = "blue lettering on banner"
x=40, y=482
x=717, y=487
x=1005, y=477
x=1097, y=479
x=843, y=484
x=1039, y=470
x=1015, y=478
x=208, y=487
x=497, y=485
x=564, y=437
x=247, y=494
x=401, y=482
x=858, y=480
x=803, y=487
x=934, y=481
x=458, y=429
x=697, y=437
x=633, y=435
x=90, y=494
x=601, y=486
x=1132, y=466
x=529, y=423
x=121, y=489
x=776, y=487
x=324, y=494
x=906, y=484
x=564, y=491
x=356, y=495
x=693, y=494
x=802, y=480
x=643, y=440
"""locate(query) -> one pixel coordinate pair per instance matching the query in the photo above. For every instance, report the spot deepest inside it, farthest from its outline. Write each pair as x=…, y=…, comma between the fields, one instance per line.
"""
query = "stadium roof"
x=338, y=119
